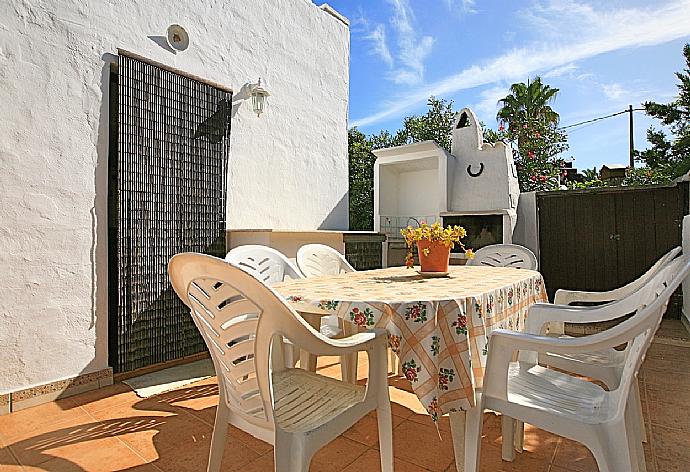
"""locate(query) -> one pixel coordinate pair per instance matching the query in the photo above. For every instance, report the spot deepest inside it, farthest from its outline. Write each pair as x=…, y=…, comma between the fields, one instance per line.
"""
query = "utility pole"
x=632, y=144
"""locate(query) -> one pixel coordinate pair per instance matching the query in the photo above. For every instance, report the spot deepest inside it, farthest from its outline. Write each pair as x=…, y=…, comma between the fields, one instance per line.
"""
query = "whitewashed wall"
x=288, y=169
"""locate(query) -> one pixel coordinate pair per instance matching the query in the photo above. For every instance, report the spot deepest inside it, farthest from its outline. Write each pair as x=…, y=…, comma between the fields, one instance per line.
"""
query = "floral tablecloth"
x=438, y=327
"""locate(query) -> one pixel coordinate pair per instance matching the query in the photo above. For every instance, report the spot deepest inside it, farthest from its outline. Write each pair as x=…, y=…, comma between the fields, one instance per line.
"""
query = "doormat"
x=161, y=381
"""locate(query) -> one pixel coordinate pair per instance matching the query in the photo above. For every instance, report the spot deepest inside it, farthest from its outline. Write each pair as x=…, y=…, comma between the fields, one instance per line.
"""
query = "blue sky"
x=601, y=55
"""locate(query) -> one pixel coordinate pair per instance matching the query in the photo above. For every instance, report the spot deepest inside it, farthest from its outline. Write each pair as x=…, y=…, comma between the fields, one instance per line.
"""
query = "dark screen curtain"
x=169, y=153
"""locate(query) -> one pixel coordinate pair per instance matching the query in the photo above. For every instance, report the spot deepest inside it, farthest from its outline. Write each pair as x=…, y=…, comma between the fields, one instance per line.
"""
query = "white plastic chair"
x=319, y=260
x=605, y=365
x=566, y=405
x=566, y=297
x=243, y=323
x=505, y=255
x=264, y=263
x=270, y=266
x=316, y=260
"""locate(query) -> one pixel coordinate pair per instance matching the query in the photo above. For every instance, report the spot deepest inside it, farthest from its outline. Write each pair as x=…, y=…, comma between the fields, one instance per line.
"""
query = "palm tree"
x=527, y=103
x=590, y=174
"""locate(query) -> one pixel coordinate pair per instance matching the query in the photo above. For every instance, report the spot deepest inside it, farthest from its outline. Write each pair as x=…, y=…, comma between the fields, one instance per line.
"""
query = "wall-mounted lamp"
x=258, y=94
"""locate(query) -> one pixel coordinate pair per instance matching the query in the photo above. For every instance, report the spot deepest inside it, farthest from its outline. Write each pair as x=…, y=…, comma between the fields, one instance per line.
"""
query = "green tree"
x=590, y=174
x=527, y=104
x=527, y=120
x=436, y=125
x=361, y=176
x=669, y=156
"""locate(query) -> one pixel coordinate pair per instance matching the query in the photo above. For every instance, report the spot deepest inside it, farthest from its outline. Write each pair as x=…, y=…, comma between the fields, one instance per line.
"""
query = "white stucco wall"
x=413, y=197
x=288, y=168
x=526, y=231
x=494, y=185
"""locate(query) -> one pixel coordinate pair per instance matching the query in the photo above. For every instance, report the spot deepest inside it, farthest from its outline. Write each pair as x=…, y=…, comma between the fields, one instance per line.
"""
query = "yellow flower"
x=449, y=237
x=425, y=251
x=469, y=253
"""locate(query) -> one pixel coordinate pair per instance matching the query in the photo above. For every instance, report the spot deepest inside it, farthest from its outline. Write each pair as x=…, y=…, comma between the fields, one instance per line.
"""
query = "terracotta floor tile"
x=327, y=361
x=105, y=454
x=208, y=416
x=491, y=461
x=188, y=394
x=574, y=456
x=255, y=444
x=666, y=414
x=649, y=458
x=333, y=372
x=336, y=455
x=671, y=465
x=405, y=404
x=424, y=418
x=171, y=433
x=667, y=365
x=420, y=445
x=670, y=447
x=262, y=464
x=18, y=424
x=7, y=459
x=538, y=443
x=370, y=461
x=674, y=397
x=112, y=429
x=659, y=380
x=535, y=456
x=666, y=351
x=144, y=407
x=106, y=397
x=192, y=456
x=366, y=430
x=32, y=447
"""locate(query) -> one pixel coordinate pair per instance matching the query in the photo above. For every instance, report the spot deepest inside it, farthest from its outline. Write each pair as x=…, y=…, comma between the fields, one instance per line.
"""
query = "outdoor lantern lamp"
x=258, y=94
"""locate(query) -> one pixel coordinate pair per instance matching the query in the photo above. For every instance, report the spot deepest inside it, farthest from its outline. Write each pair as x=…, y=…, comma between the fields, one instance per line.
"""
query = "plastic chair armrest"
x=504, y=343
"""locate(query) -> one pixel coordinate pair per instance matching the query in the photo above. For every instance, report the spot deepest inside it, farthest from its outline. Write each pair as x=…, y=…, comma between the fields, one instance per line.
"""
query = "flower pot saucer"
x=432, y=275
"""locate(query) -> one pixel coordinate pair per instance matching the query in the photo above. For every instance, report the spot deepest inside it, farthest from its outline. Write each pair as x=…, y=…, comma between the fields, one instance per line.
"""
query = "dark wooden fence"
x=604, y=238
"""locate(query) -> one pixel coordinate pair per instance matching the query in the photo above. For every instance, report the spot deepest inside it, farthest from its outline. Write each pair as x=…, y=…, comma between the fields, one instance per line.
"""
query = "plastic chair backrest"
x=315, y=260
x=505, y=255
x=638, y=330
x=264, y=263
x=238, y=317
x=652, y=271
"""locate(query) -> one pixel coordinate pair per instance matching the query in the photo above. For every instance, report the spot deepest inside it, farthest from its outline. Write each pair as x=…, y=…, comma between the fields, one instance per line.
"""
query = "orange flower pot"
x=437, y=258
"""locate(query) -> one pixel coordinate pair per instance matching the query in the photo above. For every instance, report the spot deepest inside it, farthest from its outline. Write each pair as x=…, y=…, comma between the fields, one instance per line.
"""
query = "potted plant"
x=433, y=245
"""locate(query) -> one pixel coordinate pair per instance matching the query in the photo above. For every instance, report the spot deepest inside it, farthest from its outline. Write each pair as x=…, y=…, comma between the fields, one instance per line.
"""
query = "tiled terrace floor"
x=113, y=430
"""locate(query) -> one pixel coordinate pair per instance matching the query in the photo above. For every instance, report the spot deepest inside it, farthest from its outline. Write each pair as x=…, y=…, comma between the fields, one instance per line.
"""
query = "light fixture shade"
x=259, y=95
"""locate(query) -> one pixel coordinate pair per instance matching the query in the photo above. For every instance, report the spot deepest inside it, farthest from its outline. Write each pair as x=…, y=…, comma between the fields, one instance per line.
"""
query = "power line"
x=599, y=118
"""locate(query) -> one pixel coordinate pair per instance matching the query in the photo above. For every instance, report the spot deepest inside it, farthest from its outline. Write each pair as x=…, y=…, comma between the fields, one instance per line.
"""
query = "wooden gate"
x=604, y=238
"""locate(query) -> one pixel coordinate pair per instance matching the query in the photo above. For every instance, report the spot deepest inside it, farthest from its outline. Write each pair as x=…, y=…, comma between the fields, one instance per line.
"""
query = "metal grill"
x=168, y=168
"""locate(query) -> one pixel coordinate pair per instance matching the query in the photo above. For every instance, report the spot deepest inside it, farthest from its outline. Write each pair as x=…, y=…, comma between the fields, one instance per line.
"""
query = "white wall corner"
x=335, y=14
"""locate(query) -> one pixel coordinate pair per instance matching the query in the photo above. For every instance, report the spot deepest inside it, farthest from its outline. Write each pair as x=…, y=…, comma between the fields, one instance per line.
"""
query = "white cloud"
x=412, y=50
x=572, y=32
x=379, y=46
x=614, y=91
x=464, y=6
x=487, y=106
x=567, y=70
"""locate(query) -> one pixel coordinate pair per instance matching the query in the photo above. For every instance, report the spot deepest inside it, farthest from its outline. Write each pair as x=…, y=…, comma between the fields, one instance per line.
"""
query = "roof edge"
x=335, y=14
